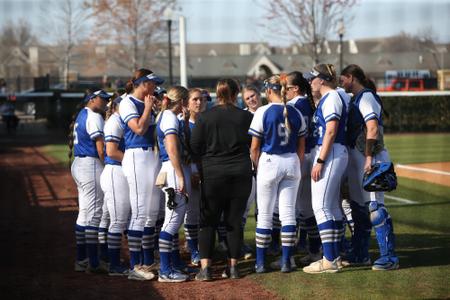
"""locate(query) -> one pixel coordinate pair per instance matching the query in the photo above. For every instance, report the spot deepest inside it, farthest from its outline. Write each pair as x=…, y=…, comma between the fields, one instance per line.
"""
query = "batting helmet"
x=381, y=178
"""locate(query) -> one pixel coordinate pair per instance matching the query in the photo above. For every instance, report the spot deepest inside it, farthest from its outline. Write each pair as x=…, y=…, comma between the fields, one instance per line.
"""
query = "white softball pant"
x=139, y=167
x=303, y=205
x=117, y=197
x=278, y=178
x=356, y=161
x=174, y=217
x=86, y=172
x=326, y=193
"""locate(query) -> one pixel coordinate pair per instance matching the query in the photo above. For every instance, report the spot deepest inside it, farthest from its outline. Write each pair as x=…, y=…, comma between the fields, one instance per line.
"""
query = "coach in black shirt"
x=221, y=142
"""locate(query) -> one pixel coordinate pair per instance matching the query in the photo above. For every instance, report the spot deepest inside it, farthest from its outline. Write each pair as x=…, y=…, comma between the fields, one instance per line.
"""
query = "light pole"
x=168, y=16
x=341, y=32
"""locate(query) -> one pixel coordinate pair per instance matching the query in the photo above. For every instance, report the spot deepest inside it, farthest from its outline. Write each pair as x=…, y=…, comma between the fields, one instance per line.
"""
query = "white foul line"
x=402, y=200
x=422, y=170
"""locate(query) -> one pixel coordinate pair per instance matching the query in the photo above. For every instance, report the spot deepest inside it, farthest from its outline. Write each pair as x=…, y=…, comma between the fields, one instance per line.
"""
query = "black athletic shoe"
x=231, y=272
x=204, y=274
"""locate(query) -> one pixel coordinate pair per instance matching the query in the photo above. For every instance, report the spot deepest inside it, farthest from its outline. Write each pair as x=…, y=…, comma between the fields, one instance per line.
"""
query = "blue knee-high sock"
x=165, y=248
x=276, y=231
x=81, y=242
x=302, y=232
x=175, y=257
x=191, y=234
x=287, y=242
x=92, y=245
x=263, y=238
x=158, y=226
x=326, y=231
x=313, y=235
x=339, y=233
x=114, y=243
x=148, y=244
x=135, y=244
x=102, y=240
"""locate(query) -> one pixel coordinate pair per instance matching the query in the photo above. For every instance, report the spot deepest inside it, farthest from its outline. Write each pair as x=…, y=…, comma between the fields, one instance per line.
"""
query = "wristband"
x=320, y=161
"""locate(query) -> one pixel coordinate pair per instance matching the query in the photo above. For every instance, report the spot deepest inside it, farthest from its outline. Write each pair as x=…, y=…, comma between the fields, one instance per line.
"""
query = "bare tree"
x=132, y=25
x=65, y=23
x=308, y=22
x=15, y=35
x=15, y=40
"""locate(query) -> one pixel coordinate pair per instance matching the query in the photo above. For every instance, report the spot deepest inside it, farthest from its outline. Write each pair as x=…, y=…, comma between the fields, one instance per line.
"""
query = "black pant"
x=227, y=194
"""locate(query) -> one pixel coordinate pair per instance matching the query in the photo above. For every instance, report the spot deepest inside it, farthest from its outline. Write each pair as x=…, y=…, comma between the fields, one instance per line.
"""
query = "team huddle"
x=150, y=168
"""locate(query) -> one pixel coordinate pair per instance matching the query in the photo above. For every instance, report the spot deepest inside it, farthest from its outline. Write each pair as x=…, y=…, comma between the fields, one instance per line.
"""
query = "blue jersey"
x=114, y=129
x=129, y=109
x=365, y=106
x=87, y=128
x=304, y=106
x=167, y=124
x=331, y=107
x=268, y=124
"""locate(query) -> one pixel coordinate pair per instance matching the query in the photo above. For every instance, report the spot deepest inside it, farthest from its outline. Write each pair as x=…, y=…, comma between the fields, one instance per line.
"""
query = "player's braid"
x=111, y=107
x=283, y=83
x=71, y=127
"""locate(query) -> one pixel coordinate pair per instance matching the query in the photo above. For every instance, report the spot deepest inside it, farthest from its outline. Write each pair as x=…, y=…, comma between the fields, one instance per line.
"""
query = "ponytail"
x=283, y=83
x=358, y=73
x=227, y=90
x=71, y=137
x=296, y=78
x=129, y=86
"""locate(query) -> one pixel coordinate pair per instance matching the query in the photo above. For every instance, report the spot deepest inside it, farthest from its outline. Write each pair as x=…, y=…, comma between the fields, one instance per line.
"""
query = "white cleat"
x=323, y=266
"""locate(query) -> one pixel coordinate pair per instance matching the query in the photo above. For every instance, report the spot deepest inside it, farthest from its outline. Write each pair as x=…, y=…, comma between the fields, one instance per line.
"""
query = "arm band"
x=370, y=143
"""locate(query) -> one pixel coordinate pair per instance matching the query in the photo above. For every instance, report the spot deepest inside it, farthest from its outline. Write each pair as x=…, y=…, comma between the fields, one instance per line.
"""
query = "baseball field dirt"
x=38, y=209
x=438, y=172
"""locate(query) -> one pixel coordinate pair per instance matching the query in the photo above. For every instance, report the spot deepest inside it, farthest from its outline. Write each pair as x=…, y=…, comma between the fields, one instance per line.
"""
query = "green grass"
x=418, y=148
x=422, y=231
x=423, y=246
x=57, y=151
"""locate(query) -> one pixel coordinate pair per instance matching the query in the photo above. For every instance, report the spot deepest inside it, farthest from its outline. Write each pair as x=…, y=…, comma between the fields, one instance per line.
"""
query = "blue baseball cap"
x=272, y=86
x=314, y=73
x=150, y=77
x=206, y=95
x=100, y=93
x=117, y=100
x=159, y=91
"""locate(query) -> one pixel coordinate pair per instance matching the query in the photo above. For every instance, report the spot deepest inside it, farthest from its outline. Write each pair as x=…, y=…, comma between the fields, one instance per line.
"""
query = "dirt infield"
x=37, y=217
x=438, y=172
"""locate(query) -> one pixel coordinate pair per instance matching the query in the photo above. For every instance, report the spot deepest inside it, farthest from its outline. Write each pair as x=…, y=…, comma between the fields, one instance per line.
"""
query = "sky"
x=210, y=21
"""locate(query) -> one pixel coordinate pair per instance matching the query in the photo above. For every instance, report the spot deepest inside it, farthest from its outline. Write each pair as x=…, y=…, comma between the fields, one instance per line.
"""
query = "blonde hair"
x=282, y=80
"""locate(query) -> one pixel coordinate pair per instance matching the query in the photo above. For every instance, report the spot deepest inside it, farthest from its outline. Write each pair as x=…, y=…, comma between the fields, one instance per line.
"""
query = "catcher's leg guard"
x=361, y=233
x=384, y=230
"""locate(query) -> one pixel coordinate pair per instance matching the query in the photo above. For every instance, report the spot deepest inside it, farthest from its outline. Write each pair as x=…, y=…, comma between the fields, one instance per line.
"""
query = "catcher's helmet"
x=381, y=178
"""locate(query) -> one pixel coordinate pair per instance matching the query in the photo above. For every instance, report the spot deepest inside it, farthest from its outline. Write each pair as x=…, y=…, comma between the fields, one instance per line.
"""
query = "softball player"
x=140, y=166
x=367, y=147
x=196, y=105
x=252, y=99
x=86, y=168
x=300, y=95
x=278, y=143
x=330, y=161
x=177, y=183
x=115, y=187
x=159, y=93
